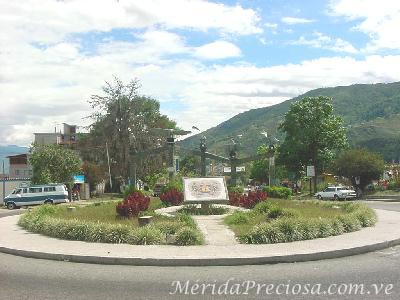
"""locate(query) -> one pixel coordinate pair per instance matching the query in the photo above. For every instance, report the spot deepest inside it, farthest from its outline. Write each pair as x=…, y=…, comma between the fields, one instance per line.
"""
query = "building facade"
x=68, y=137
x=20, y=166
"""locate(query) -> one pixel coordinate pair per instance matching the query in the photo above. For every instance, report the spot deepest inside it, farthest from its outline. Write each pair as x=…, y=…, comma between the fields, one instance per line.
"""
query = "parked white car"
x=336, y=193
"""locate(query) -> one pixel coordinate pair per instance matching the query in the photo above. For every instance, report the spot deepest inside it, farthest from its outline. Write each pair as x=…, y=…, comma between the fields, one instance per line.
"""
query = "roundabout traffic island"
x=139, y=220
x=267, y=231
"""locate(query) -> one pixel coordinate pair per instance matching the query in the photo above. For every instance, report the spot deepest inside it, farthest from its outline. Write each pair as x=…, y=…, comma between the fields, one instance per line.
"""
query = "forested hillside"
x=371, y=112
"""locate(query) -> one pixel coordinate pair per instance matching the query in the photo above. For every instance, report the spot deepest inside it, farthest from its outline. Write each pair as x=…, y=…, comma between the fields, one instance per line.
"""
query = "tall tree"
x=124, y=120
x=360, y=163
x=54, y=164
x=313, y=135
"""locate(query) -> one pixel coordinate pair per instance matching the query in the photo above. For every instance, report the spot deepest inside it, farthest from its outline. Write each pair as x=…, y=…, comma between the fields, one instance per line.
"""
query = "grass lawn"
x=302, y=209
x=103, y=211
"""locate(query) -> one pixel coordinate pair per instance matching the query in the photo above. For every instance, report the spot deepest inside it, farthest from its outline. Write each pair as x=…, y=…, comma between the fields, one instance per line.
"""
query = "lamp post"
x=203, y=149
x=171, y=150
x=233, y=163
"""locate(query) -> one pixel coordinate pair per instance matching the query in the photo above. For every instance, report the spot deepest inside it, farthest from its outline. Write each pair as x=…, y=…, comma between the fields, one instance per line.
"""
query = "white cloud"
x=51, y=21
x=49, y=81
x=380, y=20
x=323, y=41
x=217, y=50
x=271, y=25
x=295, y=21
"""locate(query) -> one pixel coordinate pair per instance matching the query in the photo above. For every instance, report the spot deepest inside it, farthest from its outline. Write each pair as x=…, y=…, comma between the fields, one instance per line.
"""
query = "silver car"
x=336, y=193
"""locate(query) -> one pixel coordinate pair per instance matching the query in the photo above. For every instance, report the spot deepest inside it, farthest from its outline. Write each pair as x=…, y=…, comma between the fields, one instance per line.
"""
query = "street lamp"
x=270, y=143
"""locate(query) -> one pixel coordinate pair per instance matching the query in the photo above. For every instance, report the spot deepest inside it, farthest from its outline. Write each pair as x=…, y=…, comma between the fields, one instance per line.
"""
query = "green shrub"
x=365, y=216
x=350, y=223
x=394, y=184
x=168, y=227
x=324, y=228
x=308, y=229
x=187, y=236
x=238, y=217
x=289, y=228
x=262, y=207
x=186, y=219
x=236, y=189
x=146, y=235
x=337, y=227
x=278, y=192
x=275, y=212
x=175, y=184
x=264, y=233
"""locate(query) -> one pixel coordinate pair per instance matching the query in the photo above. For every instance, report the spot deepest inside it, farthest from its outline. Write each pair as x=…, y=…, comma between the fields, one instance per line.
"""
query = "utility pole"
x=4, y=182
x=109, y=169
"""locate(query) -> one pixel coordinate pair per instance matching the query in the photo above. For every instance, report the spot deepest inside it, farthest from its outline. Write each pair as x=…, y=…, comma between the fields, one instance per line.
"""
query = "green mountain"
x=371, y=112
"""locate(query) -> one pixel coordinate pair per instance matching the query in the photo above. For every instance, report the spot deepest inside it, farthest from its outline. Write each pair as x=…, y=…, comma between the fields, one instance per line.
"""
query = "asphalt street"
x=375, y=274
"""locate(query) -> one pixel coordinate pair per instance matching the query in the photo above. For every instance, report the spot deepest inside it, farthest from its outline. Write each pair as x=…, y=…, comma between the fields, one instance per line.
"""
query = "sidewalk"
x=16, y=241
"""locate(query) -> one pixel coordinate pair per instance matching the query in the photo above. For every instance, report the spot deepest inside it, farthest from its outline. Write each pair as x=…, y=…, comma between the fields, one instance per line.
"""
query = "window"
x=25, y=191
x=16, y=172
x=332, y=189
x=35, y=190
x=50, y=189
x=17, y=191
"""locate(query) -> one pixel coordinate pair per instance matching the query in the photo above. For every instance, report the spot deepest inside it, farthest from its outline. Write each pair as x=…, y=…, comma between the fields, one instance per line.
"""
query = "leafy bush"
x=275, y=212
x=169, y=227
x=262, y=207
x=278, y=192
x=350, y=223
x=133, y=204
x=238, y=217
x=175, y=184
x=247, y=201
x=365, y=216
x=172, y=197
x=188, y=236
x=236, y=189
x=147, y=235
x=394, y=184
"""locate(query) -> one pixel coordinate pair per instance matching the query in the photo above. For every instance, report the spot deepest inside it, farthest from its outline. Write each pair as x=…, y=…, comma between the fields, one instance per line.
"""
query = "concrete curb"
x=36, y=246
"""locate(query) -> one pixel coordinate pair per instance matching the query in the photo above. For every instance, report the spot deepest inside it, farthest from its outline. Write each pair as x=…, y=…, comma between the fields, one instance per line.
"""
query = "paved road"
x=395, y=206
x=24, y=278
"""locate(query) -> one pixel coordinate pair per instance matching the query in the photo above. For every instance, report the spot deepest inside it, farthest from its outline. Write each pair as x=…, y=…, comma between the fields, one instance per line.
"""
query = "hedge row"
x=182, y=227
x=289, y=229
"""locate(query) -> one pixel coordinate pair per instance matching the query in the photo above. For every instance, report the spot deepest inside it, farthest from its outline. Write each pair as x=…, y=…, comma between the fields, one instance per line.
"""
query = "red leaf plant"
x=172, y=197
x=247, y=201
x=133, y=204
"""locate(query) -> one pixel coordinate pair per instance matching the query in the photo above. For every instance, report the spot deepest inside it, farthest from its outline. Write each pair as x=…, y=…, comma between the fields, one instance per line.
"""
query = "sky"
x=205, y=61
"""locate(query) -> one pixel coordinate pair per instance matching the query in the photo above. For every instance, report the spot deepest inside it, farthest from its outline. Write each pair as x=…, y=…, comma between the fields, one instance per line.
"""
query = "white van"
x=37, y=194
